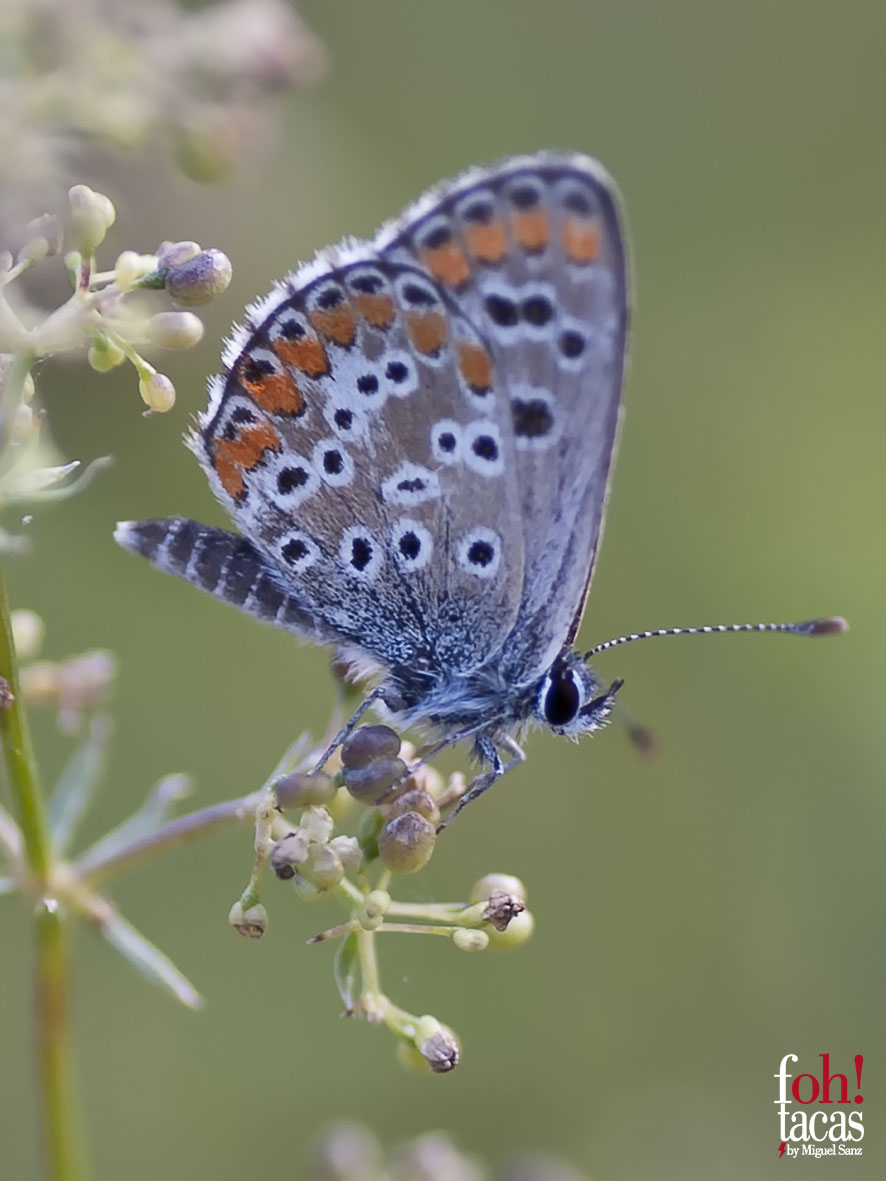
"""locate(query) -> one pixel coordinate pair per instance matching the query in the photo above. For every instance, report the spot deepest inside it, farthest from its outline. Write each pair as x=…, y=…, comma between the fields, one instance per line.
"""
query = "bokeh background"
x=700, y=914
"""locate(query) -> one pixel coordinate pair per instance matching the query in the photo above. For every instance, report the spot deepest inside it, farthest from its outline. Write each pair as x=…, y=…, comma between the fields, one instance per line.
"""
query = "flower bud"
x=406, y=843
x=370, y=743
x=470, y=939
x=28, y=630
x=497, y=883
x=130, y=267
x=518, y=930
x=323, y=867
x=316, y=824
x=175, y=330
x=345, y=1152
x=158, y=392
x=437, y=1045
x=348, y=849
x=372, y=783
x=299, y=789
x=251, y=923
x=414, y=800
x=200, y=279
x=374, y=910
x=292, y=850
x=173, y=254
x=91, y=216
x=104, y=354
x=43, y=238
x=306, y=890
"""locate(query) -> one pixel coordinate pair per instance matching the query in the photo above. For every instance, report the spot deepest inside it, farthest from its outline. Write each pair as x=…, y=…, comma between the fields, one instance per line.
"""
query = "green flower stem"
x=18, y=753
x=417, y=929
x=436, y=912
x=64, y=1147
x=64, y=1139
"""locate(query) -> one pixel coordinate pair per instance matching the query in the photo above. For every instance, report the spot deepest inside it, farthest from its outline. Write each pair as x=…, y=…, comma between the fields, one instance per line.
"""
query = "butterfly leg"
x=488, y=750
x=348, y=728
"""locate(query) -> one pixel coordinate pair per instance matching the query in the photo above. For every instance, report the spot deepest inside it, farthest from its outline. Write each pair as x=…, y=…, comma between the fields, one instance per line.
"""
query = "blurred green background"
x=700, y=914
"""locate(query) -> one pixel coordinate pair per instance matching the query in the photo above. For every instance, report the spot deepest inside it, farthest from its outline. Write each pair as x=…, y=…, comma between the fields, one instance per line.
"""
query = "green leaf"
x=149, y=960
x=347, y=971
x=77, y=783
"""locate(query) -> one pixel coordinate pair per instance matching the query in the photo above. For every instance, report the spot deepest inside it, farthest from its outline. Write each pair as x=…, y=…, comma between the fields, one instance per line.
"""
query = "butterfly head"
x=570, y=700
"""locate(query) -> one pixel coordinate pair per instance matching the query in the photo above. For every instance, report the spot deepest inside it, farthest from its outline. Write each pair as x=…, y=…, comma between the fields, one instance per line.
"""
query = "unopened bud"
x=250, y=923
x=175, y=330
x=348, y=850
x=470, y=939
x=518, y=930
x=497, y=883
x=374, y=910
x=414, y=800
x=200, y=279
x=323, y=867
x=43, y=238
x=306, y=890
x=104, y=354
x=292, y=850
x=368, y=744
x=173, y=254
x=92, y=214
x=158, y=392
x=345, y=1152
x=299, y=789
x=437, y=1045
x=131, y=266
x=372, y=783
x=406, y=843
x=316, y=824
x=28, y=630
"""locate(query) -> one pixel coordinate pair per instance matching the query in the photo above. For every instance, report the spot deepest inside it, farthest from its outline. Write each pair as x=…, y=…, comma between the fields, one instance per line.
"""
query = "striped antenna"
x=832, y=625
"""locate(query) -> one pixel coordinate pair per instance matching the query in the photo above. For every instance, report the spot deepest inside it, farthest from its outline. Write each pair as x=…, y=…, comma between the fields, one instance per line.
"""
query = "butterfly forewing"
x=347, y=442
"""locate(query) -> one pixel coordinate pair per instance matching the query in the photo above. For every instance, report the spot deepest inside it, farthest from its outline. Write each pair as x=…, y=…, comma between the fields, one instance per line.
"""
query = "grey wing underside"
x=554, y=310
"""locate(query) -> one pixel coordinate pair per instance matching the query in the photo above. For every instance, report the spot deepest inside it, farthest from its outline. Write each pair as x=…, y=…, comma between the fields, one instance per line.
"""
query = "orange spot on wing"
x=428, y=331
x=488, y=243
x=336, y=324
x=306, y=354
x=581, y=239
x=532, y=229
x=275, y=392
x=243, y=453
x=377, y=310
x=448, y=264
x=475, y=366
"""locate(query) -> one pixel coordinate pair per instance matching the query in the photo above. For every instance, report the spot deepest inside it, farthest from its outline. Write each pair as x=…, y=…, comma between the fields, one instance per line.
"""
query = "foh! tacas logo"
x=826, y=1121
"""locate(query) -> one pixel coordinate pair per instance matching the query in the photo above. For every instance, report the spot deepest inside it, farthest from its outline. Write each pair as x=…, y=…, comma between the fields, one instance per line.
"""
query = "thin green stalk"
x=64, y=1154
x=18, y=753
x=64, y=1149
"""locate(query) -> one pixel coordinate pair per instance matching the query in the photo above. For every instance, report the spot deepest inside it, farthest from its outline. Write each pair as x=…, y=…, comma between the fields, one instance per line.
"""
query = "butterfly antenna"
x=831, y=625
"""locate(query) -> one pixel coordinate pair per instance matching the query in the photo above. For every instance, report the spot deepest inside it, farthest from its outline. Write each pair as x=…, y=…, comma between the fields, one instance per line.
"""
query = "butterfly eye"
x=561, y=699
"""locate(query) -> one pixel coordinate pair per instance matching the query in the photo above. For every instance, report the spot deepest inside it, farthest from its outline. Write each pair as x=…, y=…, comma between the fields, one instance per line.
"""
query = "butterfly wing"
x=355, y=438
x=534, y=252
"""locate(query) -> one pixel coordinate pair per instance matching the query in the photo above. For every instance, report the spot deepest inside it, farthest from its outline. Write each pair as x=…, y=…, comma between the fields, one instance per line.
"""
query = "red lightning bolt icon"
x=781, y=1149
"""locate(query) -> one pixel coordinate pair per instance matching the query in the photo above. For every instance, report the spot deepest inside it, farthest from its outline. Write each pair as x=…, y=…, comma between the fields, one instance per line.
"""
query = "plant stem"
x=51, y=986
x=18, y=754
x=65, y=1158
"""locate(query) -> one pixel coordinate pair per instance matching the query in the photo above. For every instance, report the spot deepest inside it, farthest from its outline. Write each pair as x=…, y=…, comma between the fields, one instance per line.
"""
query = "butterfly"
x=415, y=436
